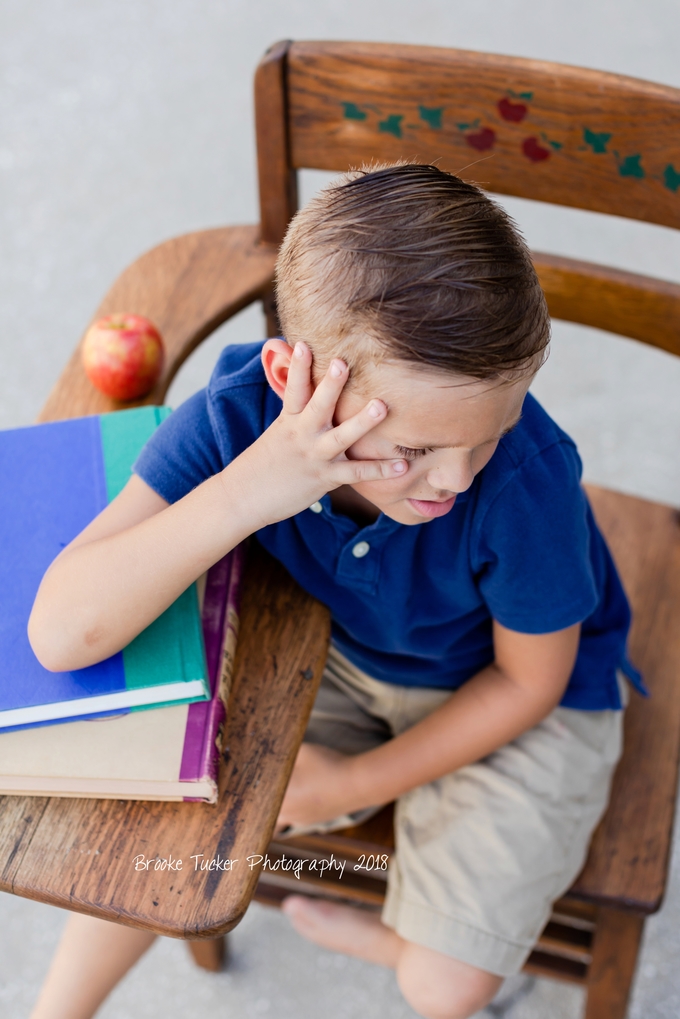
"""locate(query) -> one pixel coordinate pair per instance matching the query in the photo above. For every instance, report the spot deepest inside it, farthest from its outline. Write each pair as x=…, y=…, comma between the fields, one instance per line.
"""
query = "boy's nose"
x=455, y=475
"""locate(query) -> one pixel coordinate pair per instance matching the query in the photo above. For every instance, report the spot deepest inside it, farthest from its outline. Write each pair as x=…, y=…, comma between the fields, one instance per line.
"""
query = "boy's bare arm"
x=526, y=681
x=138, y=556
x=125, y=569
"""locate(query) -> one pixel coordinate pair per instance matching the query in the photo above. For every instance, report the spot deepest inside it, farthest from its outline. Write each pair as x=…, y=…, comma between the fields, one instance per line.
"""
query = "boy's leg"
x=354, y=713
x=484, y=852
x=435, y=985
x=481, y=854
x=92, y=956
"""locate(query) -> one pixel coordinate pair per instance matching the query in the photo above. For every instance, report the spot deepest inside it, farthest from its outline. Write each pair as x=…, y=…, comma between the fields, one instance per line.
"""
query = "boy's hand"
x=301, y=456
x=318, y=789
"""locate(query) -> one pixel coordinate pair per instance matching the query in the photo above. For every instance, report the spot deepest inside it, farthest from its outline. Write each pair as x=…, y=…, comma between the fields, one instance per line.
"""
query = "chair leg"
x=615, y=952
x=210, y=953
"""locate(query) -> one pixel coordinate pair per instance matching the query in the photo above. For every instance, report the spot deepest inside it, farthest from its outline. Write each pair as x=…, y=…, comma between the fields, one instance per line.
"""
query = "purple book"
x=205, y=720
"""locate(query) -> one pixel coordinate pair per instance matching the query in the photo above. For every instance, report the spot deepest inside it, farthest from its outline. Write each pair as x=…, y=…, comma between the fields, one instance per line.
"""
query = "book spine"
x=221, y=615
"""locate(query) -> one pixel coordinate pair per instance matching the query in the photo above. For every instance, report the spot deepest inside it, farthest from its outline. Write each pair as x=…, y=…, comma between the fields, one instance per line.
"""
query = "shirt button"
x=361, y=549
x=316, y=507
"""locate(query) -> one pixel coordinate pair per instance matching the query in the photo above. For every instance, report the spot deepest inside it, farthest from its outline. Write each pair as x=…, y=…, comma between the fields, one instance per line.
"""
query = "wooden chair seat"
x=329, y=106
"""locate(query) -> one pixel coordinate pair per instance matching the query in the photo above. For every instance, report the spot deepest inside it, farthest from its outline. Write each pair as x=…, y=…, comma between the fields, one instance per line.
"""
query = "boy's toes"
x=309, y=917
x=342, y=928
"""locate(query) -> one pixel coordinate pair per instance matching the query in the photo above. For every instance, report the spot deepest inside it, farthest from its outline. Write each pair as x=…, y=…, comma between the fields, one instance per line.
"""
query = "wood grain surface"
x=187, y=286
x=625, y=303
x=615, y=949
x=524, y=127
x=628, y=861
x=80, y=854
x=277, y=178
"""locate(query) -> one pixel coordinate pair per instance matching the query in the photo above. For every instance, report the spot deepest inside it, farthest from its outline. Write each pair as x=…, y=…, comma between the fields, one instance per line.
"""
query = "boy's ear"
x=276, y=355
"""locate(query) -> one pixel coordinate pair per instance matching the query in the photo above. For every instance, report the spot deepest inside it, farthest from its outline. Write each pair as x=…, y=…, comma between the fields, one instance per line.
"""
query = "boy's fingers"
x=299, y=383
x=350, y=431
x=321, y=407
x=351, y=472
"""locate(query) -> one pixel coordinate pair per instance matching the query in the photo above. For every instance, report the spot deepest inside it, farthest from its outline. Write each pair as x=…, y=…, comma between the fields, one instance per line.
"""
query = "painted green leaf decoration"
x=671, y=177
x=467, y=127
x=352, y=112
x=548, y=141
x=391, y=124
x=631, y=167
x=596, y=139
x=432, y=115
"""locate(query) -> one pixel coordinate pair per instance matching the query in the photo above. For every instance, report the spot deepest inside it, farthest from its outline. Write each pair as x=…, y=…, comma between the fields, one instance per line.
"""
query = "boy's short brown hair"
x=409, y=263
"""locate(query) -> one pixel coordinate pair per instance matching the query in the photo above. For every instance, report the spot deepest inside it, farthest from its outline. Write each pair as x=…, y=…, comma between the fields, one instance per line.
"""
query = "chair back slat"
x=538, y=130
x=560, y=134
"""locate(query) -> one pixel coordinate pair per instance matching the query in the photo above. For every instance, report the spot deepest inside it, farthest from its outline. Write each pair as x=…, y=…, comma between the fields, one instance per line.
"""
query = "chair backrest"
x=551, y=132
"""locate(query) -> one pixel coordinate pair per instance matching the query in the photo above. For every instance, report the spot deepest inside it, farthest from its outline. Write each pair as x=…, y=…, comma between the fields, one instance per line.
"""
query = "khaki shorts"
x=482, y=853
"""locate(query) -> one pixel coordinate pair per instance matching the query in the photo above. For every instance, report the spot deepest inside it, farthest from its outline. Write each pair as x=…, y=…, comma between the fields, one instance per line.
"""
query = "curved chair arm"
x=624, y=303
x=187, y=286
x=79, y=853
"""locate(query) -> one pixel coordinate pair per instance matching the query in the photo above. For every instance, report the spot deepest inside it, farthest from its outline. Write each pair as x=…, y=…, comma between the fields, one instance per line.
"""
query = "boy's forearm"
x=96, y=597
x=489, y=711
x=513, y=694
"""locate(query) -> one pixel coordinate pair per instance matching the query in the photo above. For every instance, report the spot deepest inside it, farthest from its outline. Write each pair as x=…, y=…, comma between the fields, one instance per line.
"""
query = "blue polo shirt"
x=413, y=604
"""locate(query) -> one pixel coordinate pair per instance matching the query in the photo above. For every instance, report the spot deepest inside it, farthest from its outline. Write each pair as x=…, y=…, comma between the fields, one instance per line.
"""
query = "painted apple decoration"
x=481, y=140
x=123, y=355
x=512, y=111
x=533, y=150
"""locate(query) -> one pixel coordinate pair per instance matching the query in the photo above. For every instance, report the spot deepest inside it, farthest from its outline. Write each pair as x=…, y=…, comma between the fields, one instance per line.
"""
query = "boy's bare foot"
x=344, y=929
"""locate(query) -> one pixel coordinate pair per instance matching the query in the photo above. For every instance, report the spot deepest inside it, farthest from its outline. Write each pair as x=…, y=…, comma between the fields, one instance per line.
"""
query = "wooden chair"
x=554, y=133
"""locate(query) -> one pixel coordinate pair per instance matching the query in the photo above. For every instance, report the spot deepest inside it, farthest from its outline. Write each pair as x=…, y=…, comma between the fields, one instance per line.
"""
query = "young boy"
x=387, y=453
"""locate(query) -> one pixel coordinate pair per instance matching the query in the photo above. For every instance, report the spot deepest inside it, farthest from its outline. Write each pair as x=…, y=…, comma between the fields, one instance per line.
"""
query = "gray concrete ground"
x=125, y=123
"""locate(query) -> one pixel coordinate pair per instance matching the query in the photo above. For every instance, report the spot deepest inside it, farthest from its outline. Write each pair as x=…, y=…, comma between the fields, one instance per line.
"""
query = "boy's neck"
x=345, y=500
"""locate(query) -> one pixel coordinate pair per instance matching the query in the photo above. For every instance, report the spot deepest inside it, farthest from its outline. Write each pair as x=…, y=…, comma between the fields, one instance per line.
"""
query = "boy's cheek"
x=388, y=491
x=369, y=449
x=482, y=458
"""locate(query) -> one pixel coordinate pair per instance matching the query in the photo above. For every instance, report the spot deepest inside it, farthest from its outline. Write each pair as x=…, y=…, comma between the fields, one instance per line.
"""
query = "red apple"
x=481, y=140
x=512, y=111
x=533, y=150
x=123, y=355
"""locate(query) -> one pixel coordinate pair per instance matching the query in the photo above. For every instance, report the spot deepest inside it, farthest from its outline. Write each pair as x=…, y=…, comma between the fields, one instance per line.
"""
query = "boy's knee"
x=439, y=987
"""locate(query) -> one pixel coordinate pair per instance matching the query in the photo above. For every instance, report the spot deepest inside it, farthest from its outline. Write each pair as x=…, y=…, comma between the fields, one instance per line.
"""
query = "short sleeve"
x=182, y=452
x=533, y=548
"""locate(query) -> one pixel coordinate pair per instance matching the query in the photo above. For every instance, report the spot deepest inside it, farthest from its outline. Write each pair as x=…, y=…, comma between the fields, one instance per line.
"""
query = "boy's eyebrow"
x=448, y=445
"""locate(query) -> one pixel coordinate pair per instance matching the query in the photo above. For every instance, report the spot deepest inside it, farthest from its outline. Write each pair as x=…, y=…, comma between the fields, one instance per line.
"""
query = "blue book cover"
x=56, y=478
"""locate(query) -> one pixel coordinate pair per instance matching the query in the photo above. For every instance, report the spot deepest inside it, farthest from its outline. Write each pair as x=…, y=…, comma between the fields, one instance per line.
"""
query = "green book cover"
x=172, y=646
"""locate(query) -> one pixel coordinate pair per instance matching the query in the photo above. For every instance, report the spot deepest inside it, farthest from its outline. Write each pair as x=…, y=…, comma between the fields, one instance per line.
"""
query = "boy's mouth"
x=430, y=507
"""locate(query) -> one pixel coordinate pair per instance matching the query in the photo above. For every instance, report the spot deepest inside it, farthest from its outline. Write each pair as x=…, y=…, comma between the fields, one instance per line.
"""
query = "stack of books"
x=147, y=722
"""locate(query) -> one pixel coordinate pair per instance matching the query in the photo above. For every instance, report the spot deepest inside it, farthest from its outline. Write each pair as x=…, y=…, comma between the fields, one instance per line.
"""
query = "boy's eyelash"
x=411, y=454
